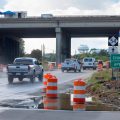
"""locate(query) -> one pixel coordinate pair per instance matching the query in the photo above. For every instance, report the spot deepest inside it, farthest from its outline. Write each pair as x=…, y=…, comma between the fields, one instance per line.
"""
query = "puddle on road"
x=27, y=103
x=63, y=102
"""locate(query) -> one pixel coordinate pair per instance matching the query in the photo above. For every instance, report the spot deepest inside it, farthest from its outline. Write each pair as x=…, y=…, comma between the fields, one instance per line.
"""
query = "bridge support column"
x=63, y=45
x=66, y=46
x=58, y=45
x=1, y=50
x=13, y=48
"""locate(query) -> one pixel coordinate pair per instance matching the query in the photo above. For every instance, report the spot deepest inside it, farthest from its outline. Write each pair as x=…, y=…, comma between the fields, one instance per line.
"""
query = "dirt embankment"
x=107, y=92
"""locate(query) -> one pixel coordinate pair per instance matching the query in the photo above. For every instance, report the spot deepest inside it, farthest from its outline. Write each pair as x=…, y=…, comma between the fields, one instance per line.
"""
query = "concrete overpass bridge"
x=61, y=28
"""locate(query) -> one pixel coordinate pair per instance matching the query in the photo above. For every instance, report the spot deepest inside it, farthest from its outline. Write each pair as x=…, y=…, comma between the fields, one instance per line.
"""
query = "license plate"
x=18, y=73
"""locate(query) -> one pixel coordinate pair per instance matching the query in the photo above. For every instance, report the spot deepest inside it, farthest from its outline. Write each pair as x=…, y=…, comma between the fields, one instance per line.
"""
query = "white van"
x=89, y=62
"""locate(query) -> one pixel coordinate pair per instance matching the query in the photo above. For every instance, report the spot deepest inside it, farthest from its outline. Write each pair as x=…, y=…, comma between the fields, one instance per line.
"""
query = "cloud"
x=2, y=3
x=100, y=43
x=90, y=4
x=37, y=42
x=112, y=9
x=65, y=7
x=61, y=4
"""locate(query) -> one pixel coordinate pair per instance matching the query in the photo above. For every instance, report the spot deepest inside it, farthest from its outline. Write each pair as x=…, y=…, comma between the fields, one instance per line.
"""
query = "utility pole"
x=43, y=51
x=75, y=53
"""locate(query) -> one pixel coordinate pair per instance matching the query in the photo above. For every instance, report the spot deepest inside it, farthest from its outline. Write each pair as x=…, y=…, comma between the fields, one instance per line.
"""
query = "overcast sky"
x=63, y=7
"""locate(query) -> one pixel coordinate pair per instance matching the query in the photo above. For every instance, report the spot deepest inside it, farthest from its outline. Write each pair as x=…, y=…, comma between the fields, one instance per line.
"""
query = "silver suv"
x=71, y=64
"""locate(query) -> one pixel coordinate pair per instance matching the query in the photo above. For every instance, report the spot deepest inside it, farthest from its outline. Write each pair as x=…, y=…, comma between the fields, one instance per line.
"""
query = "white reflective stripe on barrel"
x=51, y=91
x=52, y=84
x=79, y=87
x=79, y=96
x=44, y=79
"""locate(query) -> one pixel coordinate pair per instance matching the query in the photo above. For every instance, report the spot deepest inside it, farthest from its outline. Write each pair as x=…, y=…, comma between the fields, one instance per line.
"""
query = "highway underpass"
x=62, y=28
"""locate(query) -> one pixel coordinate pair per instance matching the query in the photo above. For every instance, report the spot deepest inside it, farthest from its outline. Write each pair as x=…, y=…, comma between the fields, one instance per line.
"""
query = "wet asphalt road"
x=22, y=90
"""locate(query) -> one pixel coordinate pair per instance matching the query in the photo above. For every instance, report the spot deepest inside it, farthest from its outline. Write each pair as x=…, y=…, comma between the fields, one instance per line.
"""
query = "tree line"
x=38, y=54
x=102, y=55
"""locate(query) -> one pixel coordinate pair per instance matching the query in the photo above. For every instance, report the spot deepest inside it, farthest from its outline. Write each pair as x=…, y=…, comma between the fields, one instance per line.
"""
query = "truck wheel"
x=32, y=78
x=20, y=79
x=80, y=70
x=94, y=68
x=84, y=68
x=10, y=79
x=40, y=77
x=75, y=70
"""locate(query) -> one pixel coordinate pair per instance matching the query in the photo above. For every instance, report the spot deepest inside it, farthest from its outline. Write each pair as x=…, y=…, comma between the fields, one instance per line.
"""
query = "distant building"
x=14, y=14
x=83, y=49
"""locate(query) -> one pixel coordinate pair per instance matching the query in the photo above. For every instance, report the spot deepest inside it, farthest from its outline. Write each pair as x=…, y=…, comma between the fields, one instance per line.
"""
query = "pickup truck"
x=25, y=67
x=71, y=64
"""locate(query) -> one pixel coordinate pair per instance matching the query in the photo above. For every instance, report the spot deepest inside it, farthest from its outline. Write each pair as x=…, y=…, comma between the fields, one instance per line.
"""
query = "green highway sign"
x=115, y=64
x=115, y=60
x=115, y=57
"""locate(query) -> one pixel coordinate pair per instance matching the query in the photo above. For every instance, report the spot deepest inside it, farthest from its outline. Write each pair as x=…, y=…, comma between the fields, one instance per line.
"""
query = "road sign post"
x=113, y=49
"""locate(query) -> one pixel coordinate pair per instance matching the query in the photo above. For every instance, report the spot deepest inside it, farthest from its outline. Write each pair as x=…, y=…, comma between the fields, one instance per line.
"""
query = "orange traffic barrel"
x=1, y=68
x=59, y=66
x=51, y=103
x=51, y=66
x=46, y=76
x=52, y=87
x=79, y=107
x=79, y=91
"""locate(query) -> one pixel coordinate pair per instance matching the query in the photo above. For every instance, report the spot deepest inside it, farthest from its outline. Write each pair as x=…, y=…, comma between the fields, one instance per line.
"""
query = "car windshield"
x=23, y=61
x=70, y=61
x=88, y=60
